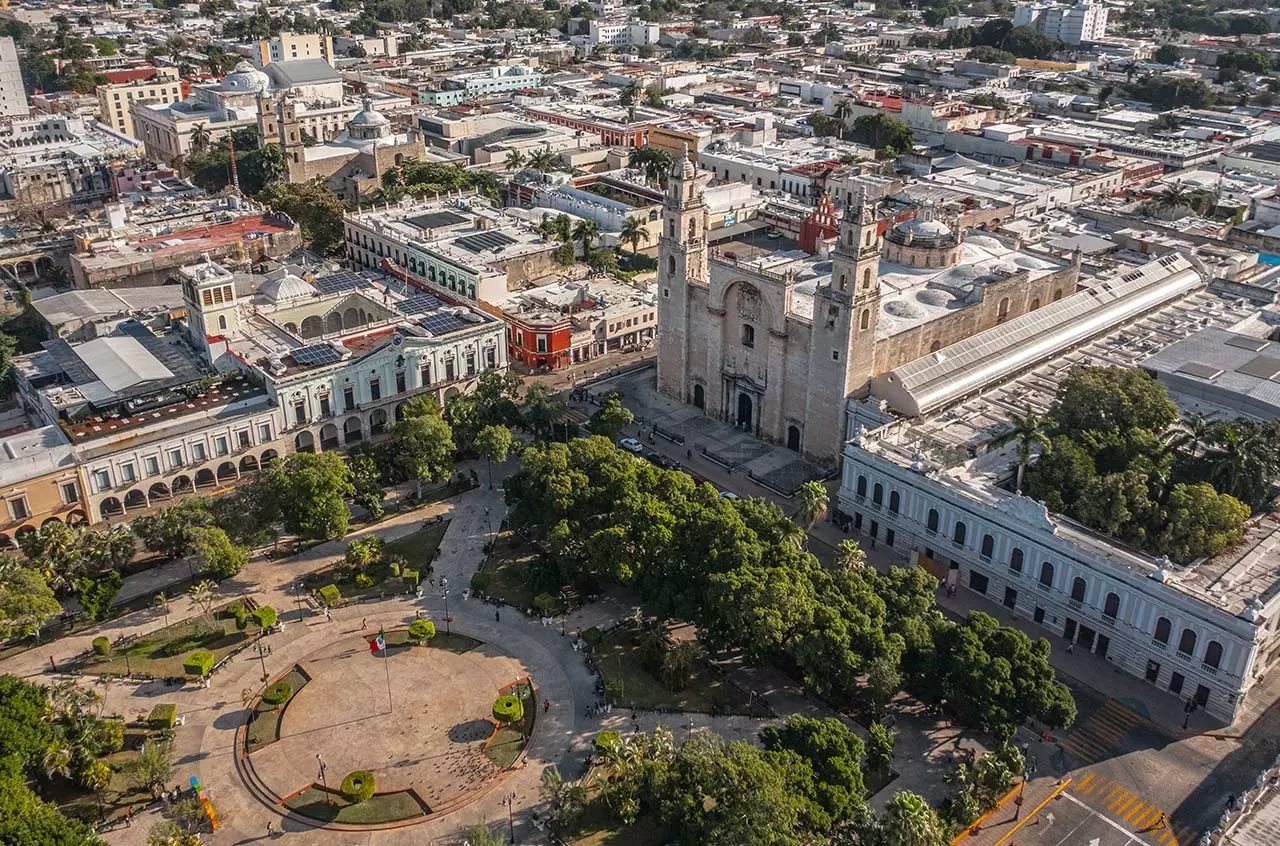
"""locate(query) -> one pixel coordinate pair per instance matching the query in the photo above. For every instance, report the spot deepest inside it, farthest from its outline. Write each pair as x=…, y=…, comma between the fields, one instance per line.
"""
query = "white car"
x=631, y=445
x=728, y=495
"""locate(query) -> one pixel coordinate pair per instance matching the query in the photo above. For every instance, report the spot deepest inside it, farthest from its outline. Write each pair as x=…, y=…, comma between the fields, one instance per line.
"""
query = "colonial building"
x=777, y=342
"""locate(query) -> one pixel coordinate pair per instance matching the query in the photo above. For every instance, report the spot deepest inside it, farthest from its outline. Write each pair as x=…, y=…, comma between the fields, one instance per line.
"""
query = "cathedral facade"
x=774, y=348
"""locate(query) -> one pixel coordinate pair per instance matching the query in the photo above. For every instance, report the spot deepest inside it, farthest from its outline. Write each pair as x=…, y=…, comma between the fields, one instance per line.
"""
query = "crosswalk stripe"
x=1099, y=785
x=1137, y=809
x=1123, y=796
x=1084, y=781
x=1167, y=834
x=1152, y=814
x=1113, y=792
x=1120, y=811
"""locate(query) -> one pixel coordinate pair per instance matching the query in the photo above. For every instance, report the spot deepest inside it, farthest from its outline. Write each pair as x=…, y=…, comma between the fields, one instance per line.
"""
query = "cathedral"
x=777, y=343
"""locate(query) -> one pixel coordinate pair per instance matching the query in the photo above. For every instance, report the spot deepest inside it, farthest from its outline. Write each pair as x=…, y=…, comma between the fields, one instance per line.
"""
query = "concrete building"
x=1085, y=21
x=463, y=87
x=13, y=95
x=292, y=46
x=115, y=101
x=39, y=483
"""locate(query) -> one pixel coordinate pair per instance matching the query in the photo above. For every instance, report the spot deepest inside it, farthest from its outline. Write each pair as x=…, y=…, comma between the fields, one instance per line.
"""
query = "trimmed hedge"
x=163, y=716
x=199, y=663
x=593, y=636
x=358, y=786
x=237, y=611
x=329, y=595
x=265, y=616
x=101, y=646
x=277, y=694
x=508, y=709
x=410, y=576
x=422, y=630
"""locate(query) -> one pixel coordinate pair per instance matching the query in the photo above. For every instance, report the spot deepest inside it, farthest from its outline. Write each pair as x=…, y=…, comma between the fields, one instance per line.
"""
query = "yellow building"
x=290, y=46
x=114, y=100
x=39, y=483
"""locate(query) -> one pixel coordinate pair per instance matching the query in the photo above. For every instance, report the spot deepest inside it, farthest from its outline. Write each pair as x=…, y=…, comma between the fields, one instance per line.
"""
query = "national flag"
x=379, y=643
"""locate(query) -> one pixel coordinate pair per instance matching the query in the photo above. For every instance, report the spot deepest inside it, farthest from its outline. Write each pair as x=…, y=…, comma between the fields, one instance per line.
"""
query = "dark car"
x=662, y=461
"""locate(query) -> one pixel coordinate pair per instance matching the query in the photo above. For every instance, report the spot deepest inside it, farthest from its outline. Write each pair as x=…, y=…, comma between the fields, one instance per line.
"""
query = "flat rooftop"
x=183, y=242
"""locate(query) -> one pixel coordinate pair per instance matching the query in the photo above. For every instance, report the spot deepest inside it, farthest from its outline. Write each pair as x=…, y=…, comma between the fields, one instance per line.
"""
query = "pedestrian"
x=128, y=820
x=364, y=621
x=546, y=705
x=1071, y=647
x=417, y=613
x=271, y=829
x=52, y=665
x=497, y=616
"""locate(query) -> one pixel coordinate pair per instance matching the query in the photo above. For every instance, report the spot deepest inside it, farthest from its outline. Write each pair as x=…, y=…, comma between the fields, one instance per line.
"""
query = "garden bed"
x=417, y=550
x=504, y=748
x=451, y=642
x=381, y=808
x=598, y=825
x=160, y=654
x=505, y=574
x=619, y=657
x=263, y=728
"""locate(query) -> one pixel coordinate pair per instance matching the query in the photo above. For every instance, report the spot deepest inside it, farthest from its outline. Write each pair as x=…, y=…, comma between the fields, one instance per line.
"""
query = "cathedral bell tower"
x=842, y=344
x=682, y=266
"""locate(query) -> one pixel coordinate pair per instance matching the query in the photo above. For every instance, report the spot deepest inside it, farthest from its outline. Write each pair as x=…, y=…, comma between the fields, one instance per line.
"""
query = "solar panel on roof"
x=343, y=280
x=435, y=220
x=482, y=241
x=417, y=304
x=1202, y=371
x=1246, y=343
x=1263, y=366
x=443, y=322
x=315, y=355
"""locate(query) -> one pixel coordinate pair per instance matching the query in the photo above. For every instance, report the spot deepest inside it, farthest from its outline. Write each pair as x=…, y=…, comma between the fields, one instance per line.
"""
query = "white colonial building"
x=1205, y=633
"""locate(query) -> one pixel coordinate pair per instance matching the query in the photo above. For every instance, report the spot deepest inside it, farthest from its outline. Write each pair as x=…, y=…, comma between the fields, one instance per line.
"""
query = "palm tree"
x=586, y=232
x=849, y=555
x=541, y=408
x=1028, y=431
x=542, y=160
x=812, y=502
x=909, y=821
x=162, y=602
x=271, y=160
x=56, y=761
x=201, y=596
x=1130, y=68
x=633, y=232
x=629, y=94
x=1173, y=197
x=564, y=798
x=842, y=112
x=515, y=159
x=1193, y=431
x=1237, y=459
x=199, y=138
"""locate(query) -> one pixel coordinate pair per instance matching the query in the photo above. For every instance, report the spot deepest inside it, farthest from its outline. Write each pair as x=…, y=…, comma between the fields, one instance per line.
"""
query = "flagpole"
x=386, y=664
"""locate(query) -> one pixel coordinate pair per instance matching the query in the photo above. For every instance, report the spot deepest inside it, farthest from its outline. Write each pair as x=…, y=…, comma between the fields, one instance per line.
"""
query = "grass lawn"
x=417, y=550
x=507, y=572
x=505, y=746
x=420, y=547
x=597, y=826
x=264, y=724
x=452, y=642
x=151, y=653
x=382, y=808
x=619, y=657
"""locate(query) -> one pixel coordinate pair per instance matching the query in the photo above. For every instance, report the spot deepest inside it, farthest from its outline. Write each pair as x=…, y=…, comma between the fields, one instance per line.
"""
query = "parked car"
x=631, y=445
x=662, y=461
x=729, y=495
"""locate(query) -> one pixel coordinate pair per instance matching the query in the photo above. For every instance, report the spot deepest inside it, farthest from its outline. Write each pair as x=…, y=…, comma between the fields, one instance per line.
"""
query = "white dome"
x=904, y=308
x=369, y=118
x=924, y=228
x=935, y=297
x=246, y=78
x=286, y=288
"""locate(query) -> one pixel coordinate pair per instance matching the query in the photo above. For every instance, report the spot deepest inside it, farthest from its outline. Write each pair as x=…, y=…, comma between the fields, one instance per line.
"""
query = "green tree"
x=880, y=742
x=215, y=554
x=424, y=442
x=541, y=409
x=495, y=444
x=26, y=820
x=585, y=232
x=166, y=531
x=883, y=682
x=811, y=503
x=909, y=821
x=1168, y=54
x=1027, y=432
x=1201, y=522
x=309, y=492
x=27, y=602
x=514, y=159
x=1111, y=399
x=611, y=417
x=888, y=136
x=201, y=596
x=831, y=783
x=96, y=592
x=633, y=232
x=314, y=207
x=153, y=767
x=849, y=555
x=482, y=835
x=366, y=481
x=1030, y=43
x=565, y=799
x=993, y=55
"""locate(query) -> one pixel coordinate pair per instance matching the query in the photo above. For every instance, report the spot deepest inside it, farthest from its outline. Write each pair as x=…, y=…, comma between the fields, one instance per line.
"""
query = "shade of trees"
x=611, y=417
x=27, y=602
x=314, y=207
x=308, y=492
x=1122, y=463
x=1164, y=91
x=887, y=135
x=740, y=572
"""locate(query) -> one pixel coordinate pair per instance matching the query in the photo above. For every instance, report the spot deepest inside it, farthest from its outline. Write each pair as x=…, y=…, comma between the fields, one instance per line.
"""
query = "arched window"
x=693, y=228
x=1057, y=294
x=861, y=488
x=932, y=523
x=865, y=320
x=844, y=282
x=988, y=546
x=1035, y=304
x=1015, y=561
x=935, y=346
x=895, y=502
x=1004, y=309
x=1213, y=654
x=866, y=278
x=959, y=533
x=1078, y=588
x=1187, y=642
x=671, y=265
x=1163, y=629
x=877, y=493
x=1046, y=574
x=222, y=321
x=1111, y=607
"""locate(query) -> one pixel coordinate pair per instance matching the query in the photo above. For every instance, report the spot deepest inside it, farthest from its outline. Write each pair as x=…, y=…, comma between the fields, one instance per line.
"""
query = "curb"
x=973, y=827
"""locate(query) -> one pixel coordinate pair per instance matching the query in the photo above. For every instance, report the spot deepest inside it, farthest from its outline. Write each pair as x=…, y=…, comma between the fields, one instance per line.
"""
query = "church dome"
x=246, y=79
x=367, y=124
x=286, y=289
x=918, y=228
x=369, y=118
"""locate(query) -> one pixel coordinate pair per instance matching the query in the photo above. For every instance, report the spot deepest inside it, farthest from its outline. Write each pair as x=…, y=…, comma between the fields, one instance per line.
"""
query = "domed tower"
x=923, y=241
x=368, y=125
x=245, y=79
x=682, y=262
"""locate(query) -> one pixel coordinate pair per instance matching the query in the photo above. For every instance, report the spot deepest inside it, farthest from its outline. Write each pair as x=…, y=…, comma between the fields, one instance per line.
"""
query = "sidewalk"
x=1020, y=807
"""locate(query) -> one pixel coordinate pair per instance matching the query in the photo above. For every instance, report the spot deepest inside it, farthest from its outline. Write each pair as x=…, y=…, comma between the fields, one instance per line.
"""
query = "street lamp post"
x=262, y=657
x=510, y=802
x=327, y=799
x=444, y=592
x=297, y=591
x=1187, y=711
x=1029, y=769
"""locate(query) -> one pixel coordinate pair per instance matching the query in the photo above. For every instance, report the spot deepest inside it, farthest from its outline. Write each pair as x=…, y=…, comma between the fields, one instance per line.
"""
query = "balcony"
x=1108, y=621
x=1044, y=587
x=1210, y=669
x=1184, y=656
x=1159, y=644
x=1076, y=604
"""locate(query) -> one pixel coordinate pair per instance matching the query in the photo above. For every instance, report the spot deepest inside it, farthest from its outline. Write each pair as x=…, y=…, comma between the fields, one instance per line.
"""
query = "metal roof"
x=1239, y=373
x=121, y=362
x=301, y=72
x=945, y=376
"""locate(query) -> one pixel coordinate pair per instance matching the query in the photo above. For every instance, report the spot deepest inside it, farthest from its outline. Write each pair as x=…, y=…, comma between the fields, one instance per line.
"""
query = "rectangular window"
x=175, y=458
x=325, y=410
x=977, y=582
x=400, y=382
x=448, y=371
x=348, y=398
x=18, y=508
x=70, y=493
x=197, y=452
x=542, y=343
x=425, y=375
x=491, y=357
x=889, y=536
x=264, y=432
x=152, y=465
x=300, y=412
x=126, y=472
x=220, y=446
x=375, y=389
x=243, y=439
x=102, y=479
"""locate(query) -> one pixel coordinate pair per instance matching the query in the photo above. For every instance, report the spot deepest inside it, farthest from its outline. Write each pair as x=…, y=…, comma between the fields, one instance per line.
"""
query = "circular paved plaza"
x=429, y=736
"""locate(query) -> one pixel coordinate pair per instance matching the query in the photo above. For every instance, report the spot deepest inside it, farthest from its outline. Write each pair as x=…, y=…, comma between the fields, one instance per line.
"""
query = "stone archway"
x=269, y=456
x=181, y=485
x=699, y=398
x=248, y=464
x=793, y=438
x=329, y=436
x=135, y=498
x=352, y=430
x=205, y=478
x=226, y=471
x=110, y=507
x=304, y=441
x=76, y=518
x=312, y=327
x=50, y=521
x=746, y=410
x=378, y=421
x=159, y=491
